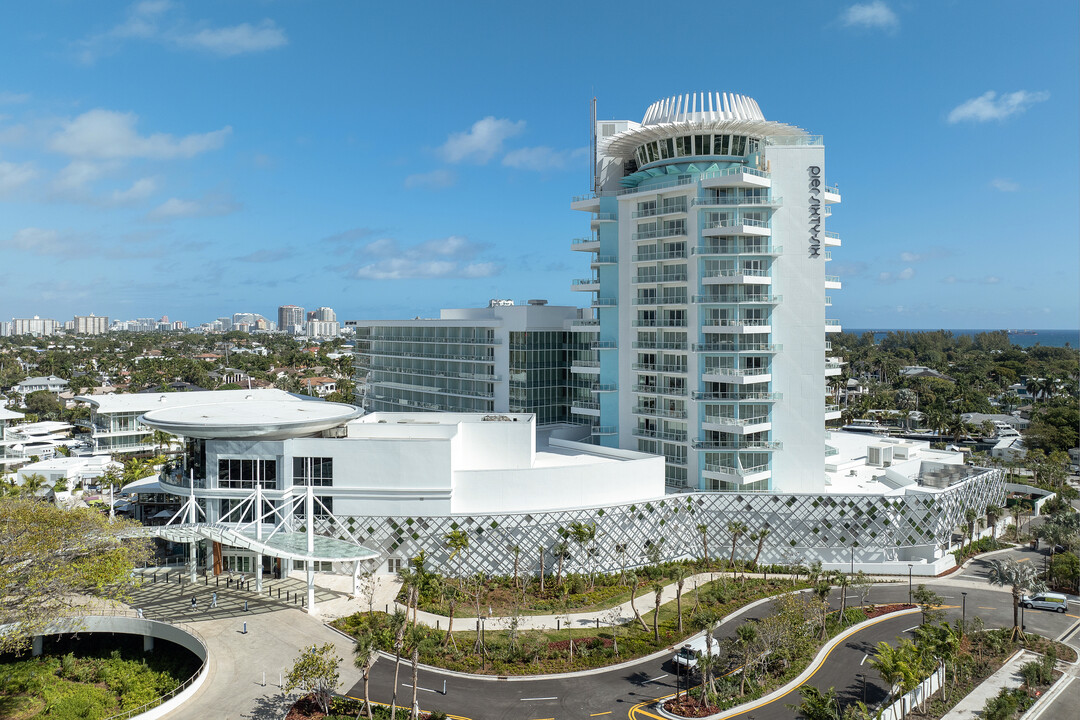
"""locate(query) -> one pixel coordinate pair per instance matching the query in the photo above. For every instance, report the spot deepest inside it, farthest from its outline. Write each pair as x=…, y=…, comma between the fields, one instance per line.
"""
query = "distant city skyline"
x=170, y=158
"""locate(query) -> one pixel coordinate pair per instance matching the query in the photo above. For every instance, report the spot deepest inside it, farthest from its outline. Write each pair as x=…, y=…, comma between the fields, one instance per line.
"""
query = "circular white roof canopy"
x=261, y=419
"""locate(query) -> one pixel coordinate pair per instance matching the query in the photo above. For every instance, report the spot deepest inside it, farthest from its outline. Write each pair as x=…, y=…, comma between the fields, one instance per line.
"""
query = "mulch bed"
x=305, y=709
x=564, y=645
x=690, y=707
x=879, y=610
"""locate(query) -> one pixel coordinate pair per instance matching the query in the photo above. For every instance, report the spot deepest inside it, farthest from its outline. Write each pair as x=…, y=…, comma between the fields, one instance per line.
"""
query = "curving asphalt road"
x=627, y=693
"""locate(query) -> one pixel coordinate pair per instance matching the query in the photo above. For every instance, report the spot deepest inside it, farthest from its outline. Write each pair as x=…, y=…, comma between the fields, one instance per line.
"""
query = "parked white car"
x=1046, y=601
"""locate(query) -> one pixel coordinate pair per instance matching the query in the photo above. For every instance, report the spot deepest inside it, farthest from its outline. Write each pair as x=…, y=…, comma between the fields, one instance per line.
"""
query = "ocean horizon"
x=1047, y=338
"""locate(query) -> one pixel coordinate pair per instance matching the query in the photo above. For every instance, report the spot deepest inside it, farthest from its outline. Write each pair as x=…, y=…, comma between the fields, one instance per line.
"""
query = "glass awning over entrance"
x=285, y=545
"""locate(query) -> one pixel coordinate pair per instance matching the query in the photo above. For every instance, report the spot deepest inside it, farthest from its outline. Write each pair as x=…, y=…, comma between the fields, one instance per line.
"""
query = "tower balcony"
x=652, y=256
x=737, y=226
x=831, y=194
x=736, y=177
x=736, y=426
x=589, y=367
x=737, y=201
x=604, y=430
x=832, y=282
x=673, y=208
x=737, y=277
x=660, y=390
x=585, y=284
x=832, y=326
x=599, y=260
x=737, y=327
x=832, y=239
x=737, y=397
x=586, y=203
x=599, y=218
x=833, y=367
x=585, y=244
x=832, y=412
x=736, y=376
x=741, y=476
x=585, y=325
x=661, y=300
x=736, y=445
x=604, y=302
x=744, y=248
x=669, y=435
x=658, y=279
x=728, y=347
x=585, y=407
x=659, y=412
x=751, y=299
x=670, y=232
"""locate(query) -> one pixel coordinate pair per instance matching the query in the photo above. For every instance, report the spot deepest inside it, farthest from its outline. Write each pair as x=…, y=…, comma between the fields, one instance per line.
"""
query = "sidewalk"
x=1007, y=676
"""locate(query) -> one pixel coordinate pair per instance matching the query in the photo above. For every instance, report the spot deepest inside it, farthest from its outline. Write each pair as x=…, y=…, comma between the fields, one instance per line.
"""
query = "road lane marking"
x=599, y=714
x=545, y=698
x=1023, y=560
x=864, y=658
x=1072, y=616
x=645, y=712
x=983, y=607
x=419, y=688
x=659, y=677
x=914, y=627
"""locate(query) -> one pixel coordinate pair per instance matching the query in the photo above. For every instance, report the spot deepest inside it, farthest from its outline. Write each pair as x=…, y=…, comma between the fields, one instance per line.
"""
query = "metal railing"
x=833, y=189
x=663, y=322
x=660, y=435
x=605, y=260
x=660, y=412
x=741, y=272
x=736, y=299
x=604, y=302
x=736, y=397
x=735, y=222
x=604, y=430
x=737, y=347
x=663, y=300
x=733, y=421
x=605, y=217
x=832, y=278
x=584, y=241
x=702, y=444
x=659, y=345
x=736, y=372
x=653, y=367
x=655, y=279
x=586, y=281
x=742, y=322
x=678, y=231
x=658, y=390
x=662, y=210
x=723, y=201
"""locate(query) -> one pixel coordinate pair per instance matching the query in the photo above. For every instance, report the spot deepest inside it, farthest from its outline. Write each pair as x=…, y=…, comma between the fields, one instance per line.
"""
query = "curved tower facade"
x=708, y=251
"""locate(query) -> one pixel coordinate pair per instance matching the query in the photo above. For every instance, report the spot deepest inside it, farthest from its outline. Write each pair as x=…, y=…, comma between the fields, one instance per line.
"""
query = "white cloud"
x=15, y=175
x=41, y=241
x=911, y=257
x=103, y=133
x=1004, y=185
x=482, y=141
x=542, y=158
x=991, y=280
x=443, y=258
x=74, y=178
x=209, y=206
x=154, y=21
x=888, y=278
x=434, y=179
x=139, y=190
x=238, y=39
x=875, y=14
x=989, y=106
x=10, y=98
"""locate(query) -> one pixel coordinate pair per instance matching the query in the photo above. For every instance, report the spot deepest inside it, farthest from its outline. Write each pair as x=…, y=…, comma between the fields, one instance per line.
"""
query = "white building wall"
x=798, y=324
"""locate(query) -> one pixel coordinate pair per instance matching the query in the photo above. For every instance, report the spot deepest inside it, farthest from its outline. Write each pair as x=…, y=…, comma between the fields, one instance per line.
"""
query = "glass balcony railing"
x=661, y=210
x=737, y=299
x=728, y=201
x=660, y=412
x=740, y=249
x=737, y=397
x=657, y=279
x=737, y=347
x=669, y=435
x=660, y=345
x=678, y=231
x=654, y=256
x=661, y=322
x=735, y=222
x=660, y=390
x=664, y=300
x=702, y=444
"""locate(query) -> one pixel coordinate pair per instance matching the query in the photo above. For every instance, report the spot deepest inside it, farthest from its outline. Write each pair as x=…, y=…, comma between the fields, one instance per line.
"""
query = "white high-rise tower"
x=708, y=250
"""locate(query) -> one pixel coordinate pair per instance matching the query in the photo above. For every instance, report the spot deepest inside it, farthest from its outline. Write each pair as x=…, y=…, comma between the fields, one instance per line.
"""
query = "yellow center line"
x=1023, y=560
x=1072, y=616
x=983, y=607
x=386, y=705
x=599, y=714
x=644, y=712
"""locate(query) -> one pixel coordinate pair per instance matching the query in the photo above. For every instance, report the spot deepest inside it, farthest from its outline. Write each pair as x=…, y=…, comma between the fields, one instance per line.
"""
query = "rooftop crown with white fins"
x=703, y=107
x=695, y=112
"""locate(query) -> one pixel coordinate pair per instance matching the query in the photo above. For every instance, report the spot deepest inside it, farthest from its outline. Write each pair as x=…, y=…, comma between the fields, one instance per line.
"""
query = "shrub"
x=1001, y=707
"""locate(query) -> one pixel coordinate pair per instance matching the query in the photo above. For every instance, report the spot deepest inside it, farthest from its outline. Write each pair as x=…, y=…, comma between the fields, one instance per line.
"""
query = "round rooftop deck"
x=261, y=419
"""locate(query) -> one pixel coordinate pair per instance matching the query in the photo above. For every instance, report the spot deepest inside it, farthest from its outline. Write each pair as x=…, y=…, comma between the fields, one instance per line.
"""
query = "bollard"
x=206, y=578
x=557, y=624
x=436, y=624
x=444, y=686
x=387, y=609
x=245, y=628
x=597, y=623
x=217, y=581
x=279, y=683
x=245, y=606
x=264, y=678
x=279, y=593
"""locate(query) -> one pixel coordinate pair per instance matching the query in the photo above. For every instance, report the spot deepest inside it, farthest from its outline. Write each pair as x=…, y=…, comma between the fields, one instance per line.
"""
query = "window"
x=607, y=129
x=244, y=474
x=316, y=565
x=317, y=471
x=393, y=565
x=323, y=510
x=703, y=144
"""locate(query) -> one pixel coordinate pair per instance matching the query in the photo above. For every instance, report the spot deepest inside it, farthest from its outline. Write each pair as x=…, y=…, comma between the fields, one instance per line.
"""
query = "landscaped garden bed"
x=504, y=649
x=342, y=708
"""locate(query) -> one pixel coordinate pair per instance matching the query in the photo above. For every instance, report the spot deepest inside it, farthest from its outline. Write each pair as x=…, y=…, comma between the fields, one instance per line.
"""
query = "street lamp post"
x=963, y=613
x=909, y=583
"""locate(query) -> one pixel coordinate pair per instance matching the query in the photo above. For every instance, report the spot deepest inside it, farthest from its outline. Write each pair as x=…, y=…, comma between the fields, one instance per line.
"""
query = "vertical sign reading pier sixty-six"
x=815, y=210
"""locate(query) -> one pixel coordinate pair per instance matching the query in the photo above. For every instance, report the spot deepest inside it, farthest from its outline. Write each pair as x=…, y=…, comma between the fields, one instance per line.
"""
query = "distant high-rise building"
x=291, y=319
x=35, y=326
x=91, y=324
x=325, y=314
x=322, y=328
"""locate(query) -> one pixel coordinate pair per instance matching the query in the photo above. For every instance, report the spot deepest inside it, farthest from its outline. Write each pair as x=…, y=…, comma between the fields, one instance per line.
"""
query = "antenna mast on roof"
x=594, y=171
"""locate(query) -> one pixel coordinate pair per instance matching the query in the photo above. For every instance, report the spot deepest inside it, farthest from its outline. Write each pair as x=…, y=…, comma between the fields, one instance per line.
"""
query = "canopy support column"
x=258, y=535
x=356, y=578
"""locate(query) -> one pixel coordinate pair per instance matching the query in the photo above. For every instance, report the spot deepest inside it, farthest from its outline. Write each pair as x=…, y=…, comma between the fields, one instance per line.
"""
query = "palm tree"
x=583, y=534
x=410, y=580
x=822, y=590
x=457, y=541
x=632, y=581
x=416, y=636
x=365, y=653
x=452, y=595
x=745, y=636
x=817, y=704
x=760, y=536
x=658, y=591
x=704, y=530
x=969, y=518
x=399, y=622
x=736, y=529
x=957, y=428
x=560, y=550
x=679, y=575
x=843, y=581
x=1021, y=577
x=993, y=514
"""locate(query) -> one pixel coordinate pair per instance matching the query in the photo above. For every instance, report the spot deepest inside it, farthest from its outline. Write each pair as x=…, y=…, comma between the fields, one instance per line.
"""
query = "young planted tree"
x=1022, y=578
x=365, y=653
x=993, y=514
x=452, y=595
x=843, y=581
x=736, y=529
x=822, y=590
x=817, y=704
x=560, y=550
x=399, y=624
x=583, y=535
x=745, y=638
x=760, y=536
x=315, y=673
x=679, y=575
x=658, y=593
x=704, y=530
x=632, y=581
x=416, y=636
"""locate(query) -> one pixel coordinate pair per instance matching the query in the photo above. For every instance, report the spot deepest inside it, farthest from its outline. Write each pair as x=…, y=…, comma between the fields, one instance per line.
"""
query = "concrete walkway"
x=1007, y=676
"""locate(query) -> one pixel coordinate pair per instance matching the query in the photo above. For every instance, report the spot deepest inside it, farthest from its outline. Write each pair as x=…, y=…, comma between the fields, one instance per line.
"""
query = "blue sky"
x=200, y=159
